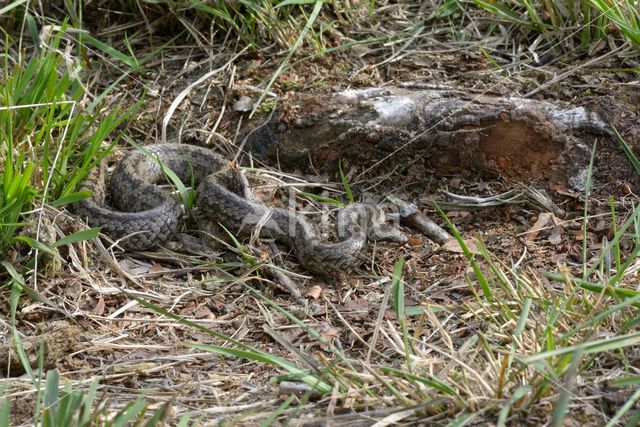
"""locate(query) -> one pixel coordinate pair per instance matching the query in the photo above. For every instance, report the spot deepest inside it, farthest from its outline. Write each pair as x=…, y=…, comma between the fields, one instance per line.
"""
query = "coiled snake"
x=148, y=214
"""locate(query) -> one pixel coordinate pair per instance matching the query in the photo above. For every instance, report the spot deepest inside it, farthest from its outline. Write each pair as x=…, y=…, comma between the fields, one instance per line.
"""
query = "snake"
x=132, y=207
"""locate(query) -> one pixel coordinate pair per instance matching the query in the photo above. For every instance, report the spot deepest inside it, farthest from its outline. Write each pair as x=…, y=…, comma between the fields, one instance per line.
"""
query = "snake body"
x=145, y=215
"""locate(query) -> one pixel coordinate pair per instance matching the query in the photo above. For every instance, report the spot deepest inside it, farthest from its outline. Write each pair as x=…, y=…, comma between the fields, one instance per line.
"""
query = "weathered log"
x=447, y=128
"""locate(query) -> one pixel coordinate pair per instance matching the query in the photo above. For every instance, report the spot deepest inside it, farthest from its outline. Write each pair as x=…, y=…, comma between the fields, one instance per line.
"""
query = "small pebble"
x=244, y=104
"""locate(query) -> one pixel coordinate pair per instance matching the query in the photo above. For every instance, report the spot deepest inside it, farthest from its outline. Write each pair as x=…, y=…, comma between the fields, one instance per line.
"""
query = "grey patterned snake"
x=148, y=215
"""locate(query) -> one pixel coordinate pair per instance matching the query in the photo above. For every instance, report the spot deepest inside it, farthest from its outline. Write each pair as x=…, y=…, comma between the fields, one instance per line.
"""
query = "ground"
x=95, y=328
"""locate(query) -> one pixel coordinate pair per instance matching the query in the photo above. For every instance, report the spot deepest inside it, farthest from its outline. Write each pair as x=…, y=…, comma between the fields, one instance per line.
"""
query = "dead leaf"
x=156, y=268
x=98, y=310
x=360, y=50
x=327, y=331
x=314, y=292
x=133, y=267
x=483, y=186
x=602, y=226
x=293, y=335
x=423, y=61
x=458, y=214
x=545, y=221
x=559, y=258
x=556, y=236
x=356, y=309
x=414, y=240
x=203, y=312
x=563, y=191
x=452, y=245
x=541, y=223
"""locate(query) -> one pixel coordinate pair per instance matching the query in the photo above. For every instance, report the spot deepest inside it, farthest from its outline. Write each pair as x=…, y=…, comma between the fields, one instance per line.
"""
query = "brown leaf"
x=543, y=221
x=327, y=331
x=293, y=335
x=414, y=240
x=314, y=292
x=563, y=191
x=156, y=268
x=556, y=236
x=133, y=267
x=458, y=214
x=98, y=310
x=203, y=312
x=356, y=309
x=452, y=245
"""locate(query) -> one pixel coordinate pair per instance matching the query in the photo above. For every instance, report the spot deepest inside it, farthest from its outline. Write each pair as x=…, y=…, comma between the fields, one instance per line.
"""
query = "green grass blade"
x=505, y=12
x=33, y=243
x=345, y=184
x=614, y=230
x=321, y=198
x=50, y=407
x=248, y=258
x=8, y=8
x=87, y=403
x=524, y=315
x=611, y=291
x=518, y=394
x=109, y=50
x=397, y=295
x=68, y=406
x=627, y=151
x=433, y=381
x=270, y=420
x=630, y=381
x=71, y=198
x=158, y=416
x=597, y=346
x=300, y=373
x=78, y=236
x=298, y=2
x=5, y=420
x=294, y=48
x=482, y=280
x=615, y=420
x=564, y=396
x=184, y=420
x=185, y=195
x=132, y=410
x=585, y=217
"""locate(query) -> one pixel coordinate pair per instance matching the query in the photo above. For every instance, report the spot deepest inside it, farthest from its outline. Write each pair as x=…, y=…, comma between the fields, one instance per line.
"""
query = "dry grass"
x=416, y=335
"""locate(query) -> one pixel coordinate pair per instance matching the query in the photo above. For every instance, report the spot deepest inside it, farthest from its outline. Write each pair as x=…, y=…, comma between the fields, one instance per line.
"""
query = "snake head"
x=368, y=220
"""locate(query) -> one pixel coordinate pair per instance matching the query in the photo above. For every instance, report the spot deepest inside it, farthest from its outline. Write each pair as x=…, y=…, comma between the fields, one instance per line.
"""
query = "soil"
x=135, y=350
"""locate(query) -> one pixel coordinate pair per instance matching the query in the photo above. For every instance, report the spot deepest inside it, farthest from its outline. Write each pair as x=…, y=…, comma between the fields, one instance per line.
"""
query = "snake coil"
x=148, y=214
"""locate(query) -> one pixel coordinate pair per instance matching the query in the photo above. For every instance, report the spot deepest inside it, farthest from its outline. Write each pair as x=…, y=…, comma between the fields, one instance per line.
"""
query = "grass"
x=517, y=343
x=562, y=24
x=64, y=406
x=48, y=149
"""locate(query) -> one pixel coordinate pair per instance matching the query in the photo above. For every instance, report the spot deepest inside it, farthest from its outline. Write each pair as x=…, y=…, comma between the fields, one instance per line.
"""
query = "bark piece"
x=448, y=129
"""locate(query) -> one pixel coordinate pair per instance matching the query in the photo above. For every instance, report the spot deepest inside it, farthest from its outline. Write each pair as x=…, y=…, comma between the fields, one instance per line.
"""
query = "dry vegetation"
x=531, y=319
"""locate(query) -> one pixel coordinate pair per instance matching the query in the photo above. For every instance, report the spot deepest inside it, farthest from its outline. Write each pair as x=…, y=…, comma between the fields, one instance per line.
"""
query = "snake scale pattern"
x=145, y=214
